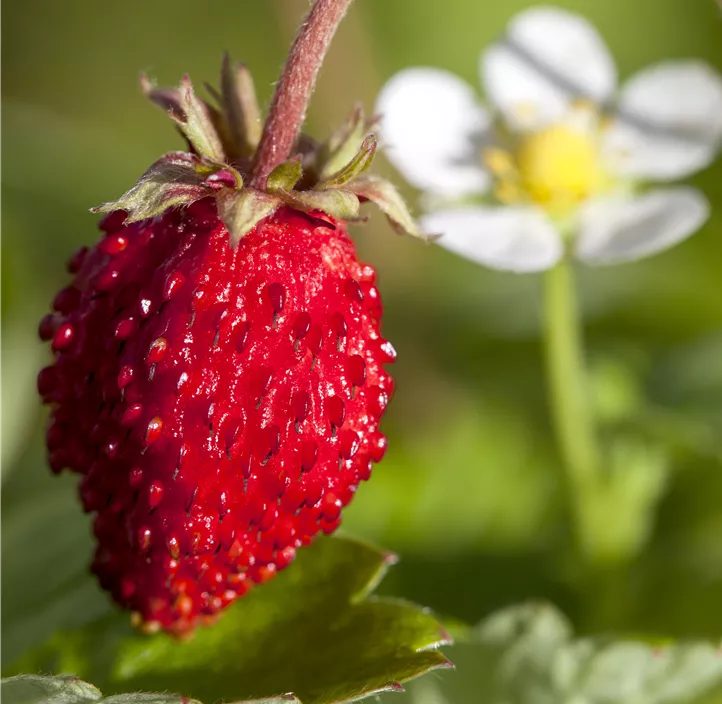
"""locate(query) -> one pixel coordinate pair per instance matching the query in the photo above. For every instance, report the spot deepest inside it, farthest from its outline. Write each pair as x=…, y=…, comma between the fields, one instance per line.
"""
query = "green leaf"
x=37, y=689
x=528, y=655
x=354, y=168
x=46, y=584
x=337, y=203
x=387, y=198
x=315, y=630
x=242, y=210
x=67, y=689
x=172, y=180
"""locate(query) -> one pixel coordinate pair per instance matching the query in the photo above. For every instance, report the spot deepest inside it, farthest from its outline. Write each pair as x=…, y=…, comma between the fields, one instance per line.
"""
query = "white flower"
x=563, y=155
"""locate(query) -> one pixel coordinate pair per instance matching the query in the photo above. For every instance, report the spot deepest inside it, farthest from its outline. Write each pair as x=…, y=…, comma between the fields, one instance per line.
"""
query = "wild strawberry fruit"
x=219, y=368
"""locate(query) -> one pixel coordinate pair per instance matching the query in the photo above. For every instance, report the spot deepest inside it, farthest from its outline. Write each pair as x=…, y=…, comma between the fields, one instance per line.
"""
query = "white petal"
x=548, y=58
x=519, y=239
x=669, y=124
x=625, y=228
x=432, y=125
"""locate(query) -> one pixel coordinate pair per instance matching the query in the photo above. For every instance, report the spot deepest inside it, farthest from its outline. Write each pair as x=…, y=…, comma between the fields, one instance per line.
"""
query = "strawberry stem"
x=288, y=107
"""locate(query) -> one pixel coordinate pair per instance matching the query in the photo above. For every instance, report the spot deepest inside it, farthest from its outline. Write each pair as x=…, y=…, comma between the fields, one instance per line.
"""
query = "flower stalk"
x=569, y=398
x=293, y=93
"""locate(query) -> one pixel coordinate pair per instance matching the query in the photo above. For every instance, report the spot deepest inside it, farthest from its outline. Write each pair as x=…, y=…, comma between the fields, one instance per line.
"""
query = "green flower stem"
x=570, y=403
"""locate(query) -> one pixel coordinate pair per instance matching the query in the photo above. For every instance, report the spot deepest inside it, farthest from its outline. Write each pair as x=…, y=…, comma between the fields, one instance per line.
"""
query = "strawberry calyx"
x=222, y=137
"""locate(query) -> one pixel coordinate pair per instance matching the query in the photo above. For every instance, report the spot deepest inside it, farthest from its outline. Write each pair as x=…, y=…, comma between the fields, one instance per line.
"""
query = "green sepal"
x=340, y=204
x=285, y=176
x=196, y=123
x=172, y=180
x=238, y=97
x=343, y=144
x=354, y=168
x=242, y=210
x=384, y=194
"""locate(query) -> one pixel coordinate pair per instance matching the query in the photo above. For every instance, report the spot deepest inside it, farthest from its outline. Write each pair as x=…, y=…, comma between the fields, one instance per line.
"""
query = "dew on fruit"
x=135, y=478
x=63, y=338
x=125, y=328
x=349, y=442
x=144, y=539
x=377, y=400
x=106, y=279
x=173, y=284
x=182, y=379
x=154, y=430
x=113, y=244
x=157, y=350
x=390, y=353
x=173, y=547
x=146, y=305
x=155, y=494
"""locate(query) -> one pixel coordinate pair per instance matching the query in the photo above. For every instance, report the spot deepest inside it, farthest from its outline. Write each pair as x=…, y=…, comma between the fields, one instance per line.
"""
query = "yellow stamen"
x=499, y=161
x=559, y=166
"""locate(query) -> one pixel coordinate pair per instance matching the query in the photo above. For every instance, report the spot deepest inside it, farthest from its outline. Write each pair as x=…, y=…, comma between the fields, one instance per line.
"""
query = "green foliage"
x=528, y=655
x=315, y=631
x=66, y=689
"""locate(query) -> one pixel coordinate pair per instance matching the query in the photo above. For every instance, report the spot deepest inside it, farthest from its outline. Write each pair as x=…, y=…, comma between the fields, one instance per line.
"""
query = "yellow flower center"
x=558, y=163
x=554, y=168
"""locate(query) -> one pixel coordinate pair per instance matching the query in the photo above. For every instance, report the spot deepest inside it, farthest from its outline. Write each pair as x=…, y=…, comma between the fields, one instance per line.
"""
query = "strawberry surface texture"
x=221, y=404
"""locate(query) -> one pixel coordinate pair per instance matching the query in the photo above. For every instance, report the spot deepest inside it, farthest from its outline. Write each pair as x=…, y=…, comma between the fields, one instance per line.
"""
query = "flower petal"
x=432, y=125
x=548, y=58
x=669, y=124
x=625, y=228
x=520, y=239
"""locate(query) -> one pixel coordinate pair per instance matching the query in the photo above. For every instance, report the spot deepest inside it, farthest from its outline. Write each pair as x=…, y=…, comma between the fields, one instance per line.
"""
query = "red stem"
x=288, y=107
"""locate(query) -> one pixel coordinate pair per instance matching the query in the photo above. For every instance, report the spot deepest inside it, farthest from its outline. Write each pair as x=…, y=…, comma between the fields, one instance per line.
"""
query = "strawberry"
x=219, y=368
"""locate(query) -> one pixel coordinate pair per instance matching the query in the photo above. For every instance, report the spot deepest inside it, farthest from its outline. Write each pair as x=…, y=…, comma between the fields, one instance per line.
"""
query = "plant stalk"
x=293, y=92
x=569, y=398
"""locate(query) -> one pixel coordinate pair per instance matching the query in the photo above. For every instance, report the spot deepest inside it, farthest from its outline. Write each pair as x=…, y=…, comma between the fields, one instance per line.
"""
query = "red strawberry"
x=220, y=396
x=231, y=401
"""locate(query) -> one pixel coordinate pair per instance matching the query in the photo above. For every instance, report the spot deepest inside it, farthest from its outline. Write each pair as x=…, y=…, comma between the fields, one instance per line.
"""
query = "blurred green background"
x=470, y=492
